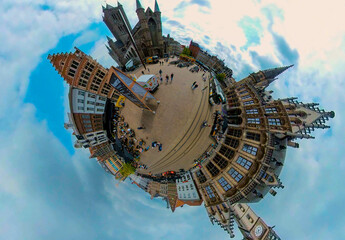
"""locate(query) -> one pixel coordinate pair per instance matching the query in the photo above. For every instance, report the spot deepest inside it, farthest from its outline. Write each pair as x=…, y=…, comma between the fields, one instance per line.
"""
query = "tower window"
x=250, y=149
x=201, y=176
x=244, y=162
x=235, y=175
x=274, y=121
x=225, y=185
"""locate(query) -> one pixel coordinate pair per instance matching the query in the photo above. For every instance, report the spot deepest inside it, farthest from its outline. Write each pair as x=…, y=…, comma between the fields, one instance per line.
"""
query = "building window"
x=81, y=93
x=252, y=111
x=248, y=103
x=210, y=192
x=253, y=136
x=250, y=149
x=235, y=175
x=90, y=109
x=221, y=162
x=212, y=169
x=85, y=116
x=201, y=177
x=232, y=142
x=89, y=66
x=253, y=120
x=244, y=162
x=234, y=132
x=80, y=108
x=244, y=92
x=274, y=121
x=271, y=110
x=80, y=101
x=225, y=185
x=74, y=64
x=246, y=97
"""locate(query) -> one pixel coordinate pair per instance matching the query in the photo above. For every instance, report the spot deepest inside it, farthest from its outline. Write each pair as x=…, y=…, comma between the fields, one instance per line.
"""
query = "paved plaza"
x=177, y=122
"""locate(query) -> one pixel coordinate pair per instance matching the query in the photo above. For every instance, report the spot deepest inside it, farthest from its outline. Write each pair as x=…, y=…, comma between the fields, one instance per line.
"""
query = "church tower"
x=115, y=24
x=252, y=226
x=146, y=42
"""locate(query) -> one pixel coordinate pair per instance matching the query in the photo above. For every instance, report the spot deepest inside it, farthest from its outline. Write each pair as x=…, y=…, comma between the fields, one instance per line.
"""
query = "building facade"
x=87, y=102
x=147, y=33
x=248, y=160
x=252, y=226
x=82, y=72
x=186, y=189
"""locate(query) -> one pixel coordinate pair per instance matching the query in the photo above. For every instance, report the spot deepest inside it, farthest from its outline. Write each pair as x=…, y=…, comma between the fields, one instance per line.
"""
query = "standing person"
x=148, y=69
x=161, y=79
x=167, y=78
x=171, y=77
x=142, y=72
x=193, y=84
x=160, y=72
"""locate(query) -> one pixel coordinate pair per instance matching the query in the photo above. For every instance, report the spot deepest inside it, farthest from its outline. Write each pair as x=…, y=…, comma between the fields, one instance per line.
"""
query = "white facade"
x=86, y=102
x=92, y=139
x=143, y=182
x=186, y=188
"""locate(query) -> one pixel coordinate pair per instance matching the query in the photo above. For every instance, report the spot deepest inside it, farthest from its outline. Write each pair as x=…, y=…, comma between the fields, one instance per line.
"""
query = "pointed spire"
x=139, y=6
x=157, y=7
x=108, y=6
x=109, y=39
x=274, y=72
x=103, y=8
x=119, y=4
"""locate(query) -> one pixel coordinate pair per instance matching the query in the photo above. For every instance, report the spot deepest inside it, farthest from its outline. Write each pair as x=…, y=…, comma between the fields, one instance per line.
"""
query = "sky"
x=48, y=190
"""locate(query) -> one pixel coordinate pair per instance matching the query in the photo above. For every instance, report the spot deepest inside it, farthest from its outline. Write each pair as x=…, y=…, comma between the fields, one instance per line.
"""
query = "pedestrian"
x=161, y=79
x=160, y=147
x=142, y=72
x=193, y=84
x=160, y=72
x=167, y=78
x=171, y=77
x=148, y=69
x=141, y=128
x=154, y=144
x=204, y=88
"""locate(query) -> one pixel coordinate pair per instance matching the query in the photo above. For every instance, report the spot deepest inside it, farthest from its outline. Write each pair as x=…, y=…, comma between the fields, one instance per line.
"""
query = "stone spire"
x=157, y=7
x=139, y=6
x=274, y=72
x=119, y=4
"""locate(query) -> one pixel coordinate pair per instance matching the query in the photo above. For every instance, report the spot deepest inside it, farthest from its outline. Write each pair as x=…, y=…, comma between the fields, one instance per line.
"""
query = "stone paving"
x=177, y=122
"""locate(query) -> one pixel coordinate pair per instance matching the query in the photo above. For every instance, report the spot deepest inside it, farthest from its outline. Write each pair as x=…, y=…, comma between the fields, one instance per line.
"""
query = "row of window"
x=181, y=188
x=271, y=121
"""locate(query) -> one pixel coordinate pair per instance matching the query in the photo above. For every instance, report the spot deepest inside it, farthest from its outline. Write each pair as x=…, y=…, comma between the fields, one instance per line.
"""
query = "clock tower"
x=252, y=226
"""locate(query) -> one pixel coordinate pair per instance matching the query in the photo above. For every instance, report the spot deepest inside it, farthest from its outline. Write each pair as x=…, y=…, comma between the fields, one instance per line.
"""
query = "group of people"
x=217, y=132
x=166, y=77
x=157, y=144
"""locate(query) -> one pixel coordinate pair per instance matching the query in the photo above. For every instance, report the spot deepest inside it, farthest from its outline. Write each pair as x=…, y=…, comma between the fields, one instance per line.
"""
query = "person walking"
x=167, y=78
x=141, y=127
x=148, y=69
x=142, y=72
x=171, y=77
x=160, y=72
x=193, y=84
x=161, y=79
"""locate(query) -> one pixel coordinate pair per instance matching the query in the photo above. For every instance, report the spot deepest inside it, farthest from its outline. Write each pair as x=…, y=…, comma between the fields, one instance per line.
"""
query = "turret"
x=274, y=72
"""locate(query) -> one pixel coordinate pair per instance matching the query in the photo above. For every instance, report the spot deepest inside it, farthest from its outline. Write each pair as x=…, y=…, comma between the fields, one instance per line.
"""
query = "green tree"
x=221, y=77
x=127, y=169
x=187, y=51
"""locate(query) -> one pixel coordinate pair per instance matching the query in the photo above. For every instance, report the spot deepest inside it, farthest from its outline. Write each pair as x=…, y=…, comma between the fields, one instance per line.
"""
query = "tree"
x=187, y=51
x=221, y=77
x=127, y=169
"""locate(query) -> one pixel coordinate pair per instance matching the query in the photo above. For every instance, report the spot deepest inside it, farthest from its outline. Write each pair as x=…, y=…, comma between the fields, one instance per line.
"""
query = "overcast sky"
x=48, y=190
